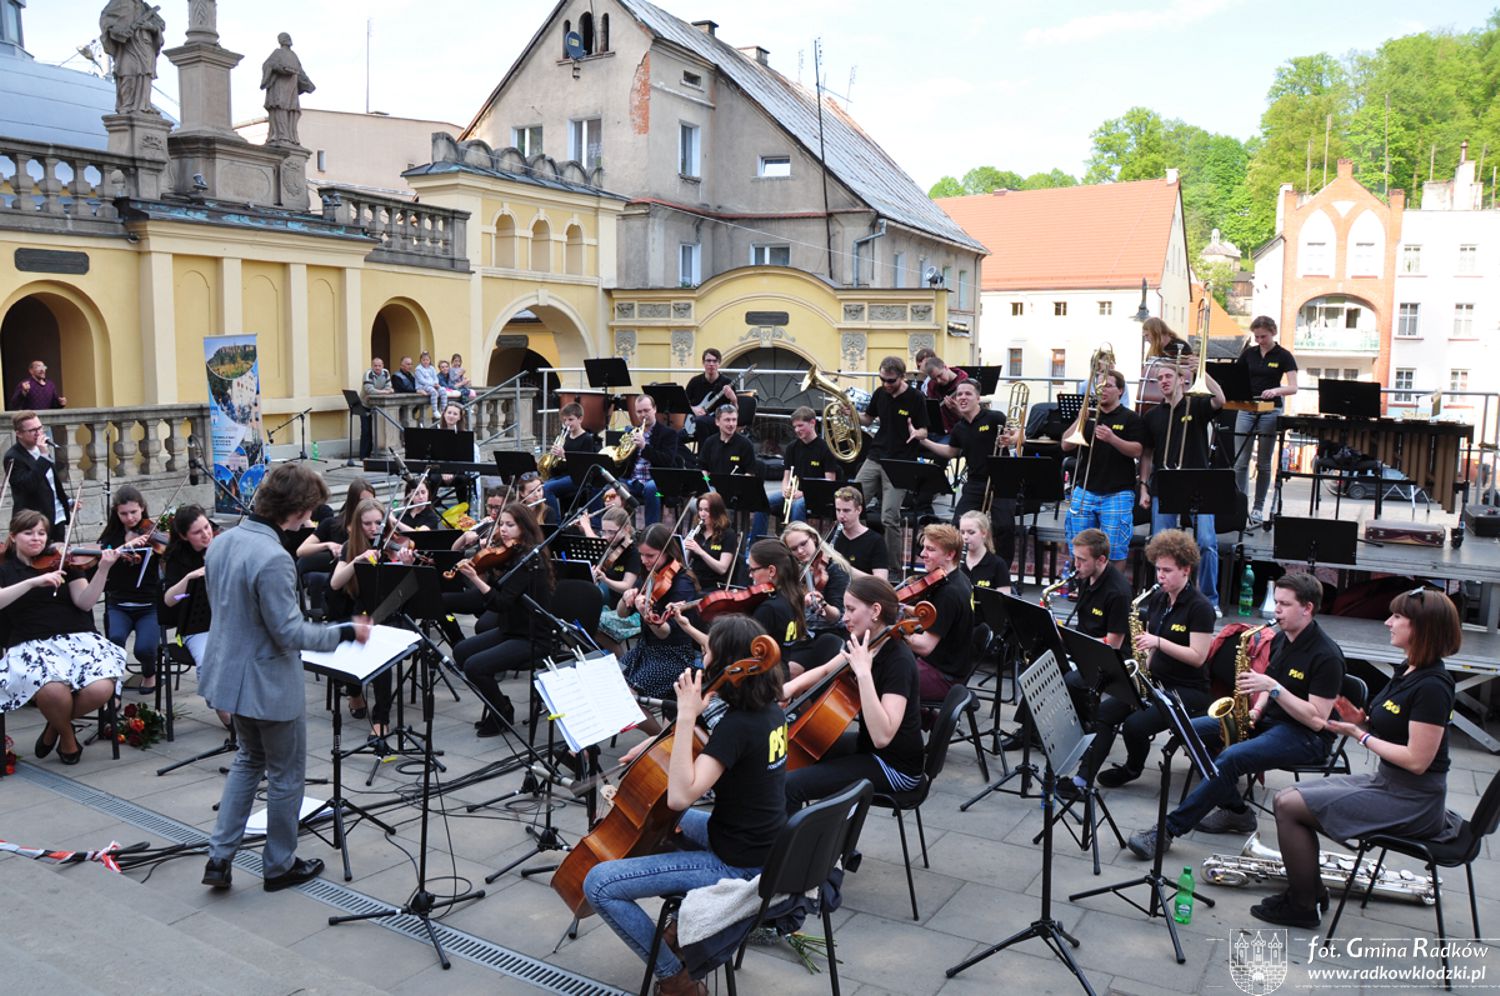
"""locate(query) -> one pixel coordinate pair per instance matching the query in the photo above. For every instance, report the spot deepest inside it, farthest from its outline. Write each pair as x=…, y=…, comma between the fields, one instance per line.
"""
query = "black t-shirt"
x=584, y=442
x=725, y=542
x=700, y=386
x=416, y=518
x=734, y=457
x=1176, y=623
x=750, y=796
x=181, y=561
x=897, y=416
x=954, y=628
x=1266, y=371
x=1111, y=470
x=1310, y=665
x=866, y=552
x=778, y=619
x=811, y=461
x=134, y=582
x=507, y=601
x=628, y=562
x=990, y=572
x=1191, y=415
x=331, y=530
x=833, y=593
x=1104, y=606
x=895, y=673
x=1416, y=695
x=975, y=441
x=39, y=613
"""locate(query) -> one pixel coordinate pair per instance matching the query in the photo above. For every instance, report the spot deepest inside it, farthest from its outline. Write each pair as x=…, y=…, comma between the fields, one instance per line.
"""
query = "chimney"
x=1463, y=151
x=999, y=192
x=1171, y=174
x=709, y=28
x=1346, y=169
x=760, y=55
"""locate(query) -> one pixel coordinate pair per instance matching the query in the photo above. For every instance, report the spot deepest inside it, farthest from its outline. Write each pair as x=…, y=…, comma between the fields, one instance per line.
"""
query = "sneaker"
x=1224, y=820
x=1143, y=844
x=1218, y=612
x=1117, y=775
x=218, y=874
x=1279, y=910
x=1255, y=520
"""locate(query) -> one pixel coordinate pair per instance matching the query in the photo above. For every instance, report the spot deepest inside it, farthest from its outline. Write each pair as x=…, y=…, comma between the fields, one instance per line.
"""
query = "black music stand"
x=433, y=540
x=923, y=480
x=574, y=555
x=1030, y=482
x=1334, y=541
x=987, y=377
x=671, y=399
x=1233, y=378
x=511, y=464
x=818, y=493
x=1349, y=398
x=357, y=409
x=581, y=465
x=438, y=445
x=677, y=483
x=606, y=372
x=741, y=492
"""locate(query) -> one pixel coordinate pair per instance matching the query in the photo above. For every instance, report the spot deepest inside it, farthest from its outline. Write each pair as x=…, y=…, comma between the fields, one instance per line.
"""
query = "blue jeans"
x=645, y=493
x=551, y=489
x=1208, y=548
x=119, y=621
x=1263, y=426
x=759, y=520
x=1287, y=742
x=613, y=887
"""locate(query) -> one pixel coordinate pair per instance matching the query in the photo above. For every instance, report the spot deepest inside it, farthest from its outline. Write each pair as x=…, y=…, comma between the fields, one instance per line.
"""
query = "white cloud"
x=1177, y=14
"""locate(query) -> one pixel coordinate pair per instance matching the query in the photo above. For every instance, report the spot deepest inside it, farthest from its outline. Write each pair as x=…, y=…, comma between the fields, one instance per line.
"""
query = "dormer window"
x=10, y=23
x=694, y=80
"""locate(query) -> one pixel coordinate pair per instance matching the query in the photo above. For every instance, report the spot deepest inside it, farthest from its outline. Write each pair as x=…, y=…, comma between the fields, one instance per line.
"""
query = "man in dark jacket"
x=34, y=480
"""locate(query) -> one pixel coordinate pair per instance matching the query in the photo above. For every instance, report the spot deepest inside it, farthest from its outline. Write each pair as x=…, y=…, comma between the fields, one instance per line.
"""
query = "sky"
x=1016, y=84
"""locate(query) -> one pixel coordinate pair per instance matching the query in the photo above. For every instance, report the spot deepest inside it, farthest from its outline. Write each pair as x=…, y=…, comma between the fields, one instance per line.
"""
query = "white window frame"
x=1015, y=361
x=898, y=269
x=1362, y=263
x=774, y=167
x=1409, y=320
x=689, y=150
x=1463, y=321
x=1106, y=309
x=1059, y=365
x=963, y=290
x=1411, y=259
x=761, y=252
x=1458, y=379
x=1405, y=391
x=520, y=139
x=689, y=264
x=1468, y=260
x=580, y=131
x=1317, y=259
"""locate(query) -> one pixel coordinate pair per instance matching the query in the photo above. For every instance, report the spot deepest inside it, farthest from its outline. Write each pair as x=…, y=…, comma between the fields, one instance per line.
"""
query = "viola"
x=724, y=603
x=489, y=558
x=913, y=590
x=641, y=822
x=80, y=558
x=817, y=719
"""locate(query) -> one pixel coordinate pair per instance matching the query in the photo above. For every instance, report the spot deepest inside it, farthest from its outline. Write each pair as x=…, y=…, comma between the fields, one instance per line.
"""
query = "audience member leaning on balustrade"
x=53, y=653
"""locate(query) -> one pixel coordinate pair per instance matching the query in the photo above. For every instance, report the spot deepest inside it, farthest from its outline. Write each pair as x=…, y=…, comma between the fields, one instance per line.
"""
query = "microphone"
x=548, y=774
x=628, y=500
x=192, y=463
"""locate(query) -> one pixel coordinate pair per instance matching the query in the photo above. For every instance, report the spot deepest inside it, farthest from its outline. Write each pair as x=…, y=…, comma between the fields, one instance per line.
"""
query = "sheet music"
x=360, y=661
x=590, y=700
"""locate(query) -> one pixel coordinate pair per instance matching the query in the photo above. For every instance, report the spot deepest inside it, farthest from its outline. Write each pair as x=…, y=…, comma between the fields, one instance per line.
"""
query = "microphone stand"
x=300, y=416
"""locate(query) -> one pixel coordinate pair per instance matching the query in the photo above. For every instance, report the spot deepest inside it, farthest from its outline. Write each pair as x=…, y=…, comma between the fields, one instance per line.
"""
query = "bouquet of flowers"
x=10, y=757
x=140, y=725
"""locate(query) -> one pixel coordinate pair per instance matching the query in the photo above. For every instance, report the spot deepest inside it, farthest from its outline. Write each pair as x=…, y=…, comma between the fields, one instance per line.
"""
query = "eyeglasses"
x=890, y=380
x=761, y=567
x=27, y=432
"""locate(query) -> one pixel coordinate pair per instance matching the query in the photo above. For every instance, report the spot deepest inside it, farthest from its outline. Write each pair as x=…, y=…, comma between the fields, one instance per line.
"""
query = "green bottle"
x=315, y=450
x=1182, y=908
x=1247, y=593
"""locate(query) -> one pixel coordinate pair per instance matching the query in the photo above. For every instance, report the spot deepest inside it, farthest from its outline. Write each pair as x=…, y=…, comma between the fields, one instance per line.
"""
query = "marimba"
x=1427, y=453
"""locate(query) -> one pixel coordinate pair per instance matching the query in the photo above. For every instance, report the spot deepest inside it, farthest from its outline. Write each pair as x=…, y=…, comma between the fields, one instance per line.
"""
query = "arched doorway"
x=52, y=327
x=776, y=392
x=400, y=329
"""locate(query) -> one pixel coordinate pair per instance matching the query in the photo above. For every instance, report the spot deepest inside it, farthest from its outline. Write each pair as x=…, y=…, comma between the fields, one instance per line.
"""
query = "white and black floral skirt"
x=75, y=659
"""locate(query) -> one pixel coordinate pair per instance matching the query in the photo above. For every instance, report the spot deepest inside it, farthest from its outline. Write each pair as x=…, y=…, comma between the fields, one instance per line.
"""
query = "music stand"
x=608, y=371
x=511, y=464
x=987, y=377
x=1334, y=541
x=438, y=445
x=671, y=399
x=1029, y=482
x=433, y=540
x=741, y=492
x=1063, y=745
x=574, y=555
x=580, y=465
x=674, y=483
x=1233, y=378
x=818, y=493
x=357, y=409
x=1349, y=398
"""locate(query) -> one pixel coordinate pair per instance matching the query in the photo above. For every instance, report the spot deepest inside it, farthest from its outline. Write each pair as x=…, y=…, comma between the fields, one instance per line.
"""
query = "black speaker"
x=1482, y=520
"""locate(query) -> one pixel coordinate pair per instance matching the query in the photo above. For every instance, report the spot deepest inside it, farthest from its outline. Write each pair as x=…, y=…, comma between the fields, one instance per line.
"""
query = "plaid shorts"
x=1114, y=513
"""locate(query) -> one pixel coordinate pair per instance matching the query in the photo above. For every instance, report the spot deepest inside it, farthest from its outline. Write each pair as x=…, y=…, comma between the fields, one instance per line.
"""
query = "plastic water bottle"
x=1247, y=593
x=1182, y=907
x=315, y=451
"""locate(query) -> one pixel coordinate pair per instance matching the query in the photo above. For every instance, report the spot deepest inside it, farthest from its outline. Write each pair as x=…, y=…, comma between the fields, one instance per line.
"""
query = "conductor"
x=252, y=669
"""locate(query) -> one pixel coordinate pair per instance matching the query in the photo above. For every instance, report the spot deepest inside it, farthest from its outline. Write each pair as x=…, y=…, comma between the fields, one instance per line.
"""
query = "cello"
x=819, y=716
x=640, y=821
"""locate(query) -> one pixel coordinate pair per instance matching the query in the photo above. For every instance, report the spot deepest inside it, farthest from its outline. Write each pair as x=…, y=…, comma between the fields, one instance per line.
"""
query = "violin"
x=724, y=603
x=911, y=591
x=489, y=558
x=657, y=586
x=641, y=822
x=79, y=558
x=819, y=716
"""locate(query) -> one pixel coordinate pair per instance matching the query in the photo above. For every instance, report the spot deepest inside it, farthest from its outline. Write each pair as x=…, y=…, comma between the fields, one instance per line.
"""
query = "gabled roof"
x=852, y=157
x=1221, y=324
x=1101, y=235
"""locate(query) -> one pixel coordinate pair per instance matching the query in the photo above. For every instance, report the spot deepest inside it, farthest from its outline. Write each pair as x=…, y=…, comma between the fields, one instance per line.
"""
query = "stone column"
x=292, y=176
x=143, y=137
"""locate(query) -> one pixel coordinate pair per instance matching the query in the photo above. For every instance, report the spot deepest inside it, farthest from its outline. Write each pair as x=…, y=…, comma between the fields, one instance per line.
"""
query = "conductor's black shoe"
x=301, y=871
x=218, y=874
x=1279, y=910
x=1117, y=775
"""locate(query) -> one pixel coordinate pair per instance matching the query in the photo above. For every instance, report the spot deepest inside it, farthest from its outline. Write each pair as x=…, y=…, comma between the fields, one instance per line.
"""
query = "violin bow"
x=62, y=561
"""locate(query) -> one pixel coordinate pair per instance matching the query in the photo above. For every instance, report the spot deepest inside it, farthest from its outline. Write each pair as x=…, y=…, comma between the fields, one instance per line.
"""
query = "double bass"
x=641, y=822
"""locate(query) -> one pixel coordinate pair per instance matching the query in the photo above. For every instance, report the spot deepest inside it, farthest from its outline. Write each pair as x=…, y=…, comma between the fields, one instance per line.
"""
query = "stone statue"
x=282, y=78
x=131, y=33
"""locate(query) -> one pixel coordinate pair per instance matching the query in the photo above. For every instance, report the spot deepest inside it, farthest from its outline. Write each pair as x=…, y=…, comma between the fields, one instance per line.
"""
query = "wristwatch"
x=1275, y=693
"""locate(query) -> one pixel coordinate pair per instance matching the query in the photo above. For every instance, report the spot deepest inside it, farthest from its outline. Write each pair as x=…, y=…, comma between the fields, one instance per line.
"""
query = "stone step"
x=83, y=929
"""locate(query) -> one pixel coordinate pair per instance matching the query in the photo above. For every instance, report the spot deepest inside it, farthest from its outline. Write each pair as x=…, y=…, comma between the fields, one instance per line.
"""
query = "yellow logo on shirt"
x=815, y=464
x=1273, y=366
x=902, y=412
x=1294, y=673
x=985, y=428
x=791, y=632
x=734, y=459
x=777, y=744
x=1391, y=707
x=1178, y=627
x=1097, y=611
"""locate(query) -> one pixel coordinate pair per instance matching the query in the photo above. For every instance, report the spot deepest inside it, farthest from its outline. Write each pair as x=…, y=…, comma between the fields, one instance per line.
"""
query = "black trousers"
x=1137, y=726
x=487, y=655
x=839, y=768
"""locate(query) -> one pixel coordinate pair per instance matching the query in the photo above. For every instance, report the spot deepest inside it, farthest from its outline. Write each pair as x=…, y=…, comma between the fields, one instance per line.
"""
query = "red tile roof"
x=1098, y=235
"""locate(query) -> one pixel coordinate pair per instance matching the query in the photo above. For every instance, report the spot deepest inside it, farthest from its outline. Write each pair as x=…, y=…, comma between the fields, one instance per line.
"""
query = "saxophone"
x=1053, y=588
x=1233, y=711
x=1137, y=627
x=1258, y=863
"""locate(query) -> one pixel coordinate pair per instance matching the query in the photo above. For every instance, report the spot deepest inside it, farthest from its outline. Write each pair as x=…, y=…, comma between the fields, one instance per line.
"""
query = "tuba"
x=841, y=430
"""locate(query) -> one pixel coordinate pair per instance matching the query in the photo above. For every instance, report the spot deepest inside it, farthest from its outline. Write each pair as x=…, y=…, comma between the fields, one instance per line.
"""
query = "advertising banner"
x=237, y=455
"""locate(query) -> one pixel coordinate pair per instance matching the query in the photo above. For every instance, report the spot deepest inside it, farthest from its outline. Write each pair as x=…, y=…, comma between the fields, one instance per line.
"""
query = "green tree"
x=987, y=179
x=1044, y=181
x=1130, y=147
x=946, y=187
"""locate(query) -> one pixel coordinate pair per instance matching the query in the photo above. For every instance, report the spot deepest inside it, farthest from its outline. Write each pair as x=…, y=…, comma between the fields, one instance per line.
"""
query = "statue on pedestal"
x=282, y=78
x=131, y=32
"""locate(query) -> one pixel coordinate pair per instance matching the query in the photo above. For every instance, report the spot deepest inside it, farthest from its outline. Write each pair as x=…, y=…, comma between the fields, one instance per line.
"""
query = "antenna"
x=849, y=90
x=369, y=30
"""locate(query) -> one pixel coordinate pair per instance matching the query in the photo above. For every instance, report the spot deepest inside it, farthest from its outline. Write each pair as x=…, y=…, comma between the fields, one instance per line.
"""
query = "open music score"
x=589, y=700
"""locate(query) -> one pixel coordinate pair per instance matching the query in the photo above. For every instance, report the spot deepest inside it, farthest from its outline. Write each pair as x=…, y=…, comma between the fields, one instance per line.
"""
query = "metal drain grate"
x=457, y=943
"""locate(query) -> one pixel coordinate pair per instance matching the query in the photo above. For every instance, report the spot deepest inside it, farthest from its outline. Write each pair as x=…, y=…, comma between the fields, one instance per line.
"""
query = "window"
x=1463, y=321
x=1106, y=308
x=1458, y=380
x=693, y=80
x=586, y=32
x=1014, y=367
x=1059, y=362
x=603, y=33
x=322, y=161
x=527, y=140
x=1411, y=259
x=770, y=255
x=947, y=276
x=10, y=22
x=1407, y=319
x=1402, y=382
x=689, y=258
x=898, y=270
x=775, y=167
x=585, y=144
x=1351, y=374
x=1364, y=260
x=1313, y=372
x=688, y=136
x=1468, y=260
x=1316, y=259
x=963, y=290
x=1017, y=309
x=1059, y=309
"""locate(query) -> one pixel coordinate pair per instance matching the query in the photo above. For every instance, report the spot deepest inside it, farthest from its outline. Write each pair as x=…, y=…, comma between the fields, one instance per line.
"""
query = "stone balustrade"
x=53, y=187
x=409, y=233
x=486, y=417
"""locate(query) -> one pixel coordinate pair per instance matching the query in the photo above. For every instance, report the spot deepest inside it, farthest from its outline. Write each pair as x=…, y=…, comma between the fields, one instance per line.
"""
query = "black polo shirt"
x=728, y=541
x=991, y=572
x=812, y=461
x=1104, y=605
x=975, y=442
x=1176, y=623
x=734, y=457
x=894, y=672
x=628, y=562
x=1415, y=695
x=1310, y=665
x=1110, y=470
x=584, y=442
x=954, y=627
x=866, y=552
x=897, y=416
x=750, y=797
x=1266, y=371
x=778, y=618
x=699, y=387
x=1190, y=415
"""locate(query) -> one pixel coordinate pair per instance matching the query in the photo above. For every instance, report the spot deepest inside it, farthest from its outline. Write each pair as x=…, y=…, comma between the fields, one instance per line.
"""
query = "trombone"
x=1015, y=417
x=1199, y=388
x=1100, y=364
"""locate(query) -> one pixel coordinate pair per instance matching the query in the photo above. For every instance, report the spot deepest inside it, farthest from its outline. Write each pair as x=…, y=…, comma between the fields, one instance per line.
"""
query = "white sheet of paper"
x=591, y=701
x=360, y=660
x=257, y=821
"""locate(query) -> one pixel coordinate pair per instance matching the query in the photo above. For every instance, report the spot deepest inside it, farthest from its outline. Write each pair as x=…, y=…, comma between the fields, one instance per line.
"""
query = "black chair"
x=1337, y=763
x=959, y=700
x=977, y=646
x=802, y=858
x=1461, y=851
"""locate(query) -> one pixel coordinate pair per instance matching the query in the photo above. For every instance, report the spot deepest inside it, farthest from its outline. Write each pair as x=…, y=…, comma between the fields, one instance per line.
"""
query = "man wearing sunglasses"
x=902, y=412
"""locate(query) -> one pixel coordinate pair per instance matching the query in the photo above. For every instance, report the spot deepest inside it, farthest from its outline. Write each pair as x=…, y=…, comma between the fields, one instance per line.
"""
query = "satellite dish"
x=573, y=45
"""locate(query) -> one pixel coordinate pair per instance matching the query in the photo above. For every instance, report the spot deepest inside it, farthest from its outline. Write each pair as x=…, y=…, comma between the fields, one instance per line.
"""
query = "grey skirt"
x=1388, y=800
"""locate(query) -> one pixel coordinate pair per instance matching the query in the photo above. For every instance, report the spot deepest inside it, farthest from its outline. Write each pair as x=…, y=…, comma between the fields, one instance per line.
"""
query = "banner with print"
x=237, y=456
